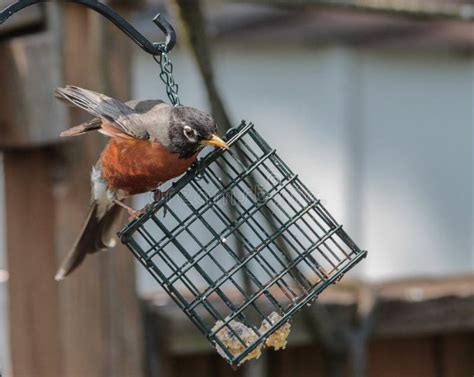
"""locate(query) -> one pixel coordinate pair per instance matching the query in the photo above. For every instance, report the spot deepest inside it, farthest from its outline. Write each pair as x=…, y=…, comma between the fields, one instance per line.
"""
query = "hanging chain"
x=166, y=76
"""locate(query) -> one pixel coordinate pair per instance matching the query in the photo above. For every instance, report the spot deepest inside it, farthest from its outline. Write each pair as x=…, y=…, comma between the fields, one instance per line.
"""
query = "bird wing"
x=113, y=118
x=91, y=125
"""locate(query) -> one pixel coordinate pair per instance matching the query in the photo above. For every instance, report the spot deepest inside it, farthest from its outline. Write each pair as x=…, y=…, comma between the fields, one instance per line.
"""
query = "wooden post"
x=89, y=324
x=100, y=310
x=33, y=293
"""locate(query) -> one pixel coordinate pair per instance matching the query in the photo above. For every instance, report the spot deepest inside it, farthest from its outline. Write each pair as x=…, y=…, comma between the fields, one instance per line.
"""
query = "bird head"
x=191, y=130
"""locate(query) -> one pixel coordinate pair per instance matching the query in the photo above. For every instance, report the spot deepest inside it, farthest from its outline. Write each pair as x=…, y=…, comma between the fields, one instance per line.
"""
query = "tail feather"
x=96, y=235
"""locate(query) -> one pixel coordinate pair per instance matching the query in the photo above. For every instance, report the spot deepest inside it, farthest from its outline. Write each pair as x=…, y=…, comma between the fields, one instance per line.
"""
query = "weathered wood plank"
x=33, y=294
x=296, y=362
x=188, y=366
x=442, y=315
x=402, y=357
x=84, y=332
x=29, y=71
x=458, y=354
x=90, y=324
x=409, y=308
x=100, y=310
x=427, y=356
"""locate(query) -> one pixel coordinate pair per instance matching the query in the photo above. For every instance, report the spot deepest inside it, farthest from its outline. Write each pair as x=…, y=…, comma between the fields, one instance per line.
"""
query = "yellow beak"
x=215, y=141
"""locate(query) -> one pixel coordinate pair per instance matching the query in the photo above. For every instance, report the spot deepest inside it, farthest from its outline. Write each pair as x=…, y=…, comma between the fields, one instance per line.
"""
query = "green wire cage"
x=244, y=245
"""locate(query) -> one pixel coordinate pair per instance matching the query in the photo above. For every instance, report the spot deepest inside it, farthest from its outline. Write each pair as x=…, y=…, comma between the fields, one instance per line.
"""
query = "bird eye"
x=189, y=132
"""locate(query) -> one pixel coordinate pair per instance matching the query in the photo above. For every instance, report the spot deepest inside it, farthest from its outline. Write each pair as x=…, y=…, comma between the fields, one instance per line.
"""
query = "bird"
x=150, y=143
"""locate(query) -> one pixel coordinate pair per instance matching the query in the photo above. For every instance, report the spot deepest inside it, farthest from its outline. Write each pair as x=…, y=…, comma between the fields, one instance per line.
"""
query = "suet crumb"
x=227, y=336
x=278, y=339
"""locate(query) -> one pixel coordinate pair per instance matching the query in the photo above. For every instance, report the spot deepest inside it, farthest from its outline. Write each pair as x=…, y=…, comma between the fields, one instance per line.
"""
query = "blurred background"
x=370, y=102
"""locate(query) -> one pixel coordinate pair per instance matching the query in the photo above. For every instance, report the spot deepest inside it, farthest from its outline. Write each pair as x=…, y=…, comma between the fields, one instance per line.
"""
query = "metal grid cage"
x=244, y=245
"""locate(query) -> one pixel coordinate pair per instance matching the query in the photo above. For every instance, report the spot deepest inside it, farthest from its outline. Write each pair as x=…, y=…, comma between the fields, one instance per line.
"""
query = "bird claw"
x=158, y=195
x=136, y=213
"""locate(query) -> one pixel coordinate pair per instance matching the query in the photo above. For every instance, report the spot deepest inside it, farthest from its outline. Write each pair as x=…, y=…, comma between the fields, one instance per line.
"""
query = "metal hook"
x=114, y=17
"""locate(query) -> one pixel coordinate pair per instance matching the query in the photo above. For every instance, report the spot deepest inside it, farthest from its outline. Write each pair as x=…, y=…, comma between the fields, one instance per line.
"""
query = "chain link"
x=166, y=76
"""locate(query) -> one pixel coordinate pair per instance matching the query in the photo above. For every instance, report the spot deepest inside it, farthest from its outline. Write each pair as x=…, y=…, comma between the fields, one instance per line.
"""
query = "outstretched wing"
x=116, y=118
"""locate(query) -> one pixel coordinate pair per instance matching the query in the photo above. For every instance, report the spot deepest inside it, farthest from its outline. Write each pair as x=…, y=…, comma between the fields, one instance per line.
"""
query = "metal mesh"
x=242, y=238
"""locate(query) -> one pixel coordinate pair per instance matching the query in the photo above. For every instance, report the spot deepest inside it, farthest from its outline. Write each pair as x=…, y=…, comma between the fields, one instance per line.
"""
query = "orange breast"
x=138, y=166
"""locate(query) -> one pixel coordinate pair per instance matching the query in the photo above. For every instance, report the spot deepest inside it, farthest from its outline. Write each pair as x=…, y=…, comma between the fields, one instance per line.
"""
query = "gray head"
x=190, y=130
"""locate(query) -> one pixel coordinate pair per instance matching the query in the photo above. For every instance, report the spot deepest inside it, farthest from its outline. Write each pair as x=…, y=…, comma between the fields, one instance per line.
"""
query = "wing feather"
x=117, y=114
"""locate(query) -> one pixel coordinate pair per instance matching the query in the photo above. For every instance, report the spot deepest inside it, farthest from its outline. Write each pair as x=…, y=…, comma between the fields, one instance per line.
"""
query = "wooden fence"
x=420, y=328
x=90, y=324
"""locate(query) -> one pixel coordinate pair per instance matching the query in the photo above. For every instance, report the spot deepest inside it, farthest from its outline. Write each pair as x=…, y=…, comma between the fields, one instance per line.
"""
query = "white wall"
x=385, y=139
x=418, y=164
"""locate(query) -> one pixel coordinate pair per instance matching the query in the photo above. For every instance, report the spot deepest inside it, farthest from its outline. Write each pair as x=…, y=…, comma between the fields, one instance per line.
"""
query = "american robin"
x=151, y=143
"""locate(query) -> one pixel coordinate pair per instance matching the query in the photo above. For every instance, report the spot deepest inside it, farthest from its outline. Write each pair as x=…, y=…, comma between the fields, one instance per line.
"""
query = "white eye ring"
x=189, y=133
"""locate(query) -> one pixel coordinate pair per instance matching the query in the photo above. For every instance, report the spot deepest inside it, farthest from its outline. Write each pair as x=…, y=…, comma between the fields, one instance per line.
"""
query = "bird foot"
x=136, y=213
x=158, y=195
x=132, y=212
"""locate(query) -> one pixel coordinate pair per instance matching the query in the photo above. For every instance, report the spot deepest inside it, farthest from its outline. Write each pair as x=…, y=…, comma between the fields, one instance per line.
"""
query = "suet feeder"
x=244, y=245
x=236, y=215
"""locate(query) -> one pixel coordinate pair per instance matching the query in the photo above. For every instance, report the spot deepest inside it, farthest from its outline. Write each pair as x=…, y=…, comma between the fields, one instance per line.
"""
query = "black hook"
x=119, y=21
